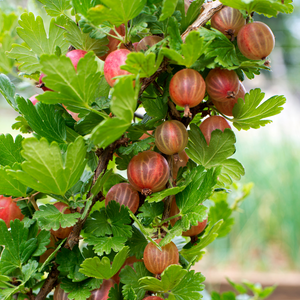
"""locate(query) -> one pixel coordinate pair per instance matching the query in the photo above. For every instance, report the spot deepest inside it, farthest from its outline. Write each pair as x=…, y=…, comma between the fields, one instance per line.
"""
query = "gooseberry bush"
x=124, y=179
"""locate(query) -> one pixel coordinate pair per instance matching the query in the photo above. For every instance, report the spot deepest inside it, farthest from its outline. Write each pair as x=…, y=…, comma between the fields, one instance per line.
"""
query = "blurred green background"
x=266, y=232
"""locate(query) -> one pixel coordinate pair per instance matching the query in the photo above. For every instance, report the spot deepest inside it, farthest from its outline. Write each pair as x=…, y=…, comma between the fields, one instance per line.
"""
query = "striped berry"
x=148, y=172
x=222, y=84
x=124, y=194
x=171, y=137
x=227, y=106
x=229, y=21
x=157, y=261
x=212, y=123
x=256, y=40
x=187, y=89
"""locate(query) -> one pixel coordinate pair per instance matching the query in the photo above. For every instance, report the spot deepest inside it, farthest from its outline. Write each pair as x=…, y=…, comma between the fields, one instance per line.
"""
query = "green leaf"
x=9, y=185
x=80, y=290
x=220, y=147
x=99, y=184
x=123, y=105
x=18, y=246
x=28, y=271
x=177, y=282
x=116, y=12
x=168, y=9
x=49, y=217
x=191, y=50
x=232, y=170
x=174, y=33
x=198, y=190
x=44, y=168
x=219, y=47
x=54, y=8
x=221, y=210
x=75, y=89
x=82, y=6
x=142, y=64
x=113, y=220
x=130, y=278
x=238, y=287
x=10, y=150
x=192, y=13
x=159, y=196
x=137, y=243
x=151, y=210
x=43, y=119
x=6, y=63
x=194, y=252
x=103, y=136
x=69, y=262
x=106, y=244
x=267, y=7
x=156, y=108
x=103, y=269
x=251, y=113
x=32, y=31
x=7, y=89
x=137, y=147
x=83, y=41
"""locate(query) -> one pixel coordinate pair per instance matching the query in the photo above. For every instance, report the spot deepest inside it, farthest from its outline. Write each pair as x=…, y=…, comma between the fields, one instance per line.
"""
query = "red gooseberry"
x=153, y=298
x=187, y=89
x=256, y=40
x=222, y=84
x=156, y=261
x=9, y=210
x=112, y=65
x=212, y=123
x=229, y=21
x=194, y=230
x=75, y=56
x=171, y=137
x=33, y=99
x=226, y=107
x=148, y=172
x=124, y=194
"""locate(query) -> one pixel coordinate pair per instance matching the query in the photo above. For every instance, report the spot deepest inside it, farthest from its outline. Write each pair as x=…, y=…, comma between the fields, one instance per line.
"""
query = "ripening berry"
x=212, y=123
x=9, y=210
x=112, y=65
x=124, y=194
x=187, y=89
x=171, y=137
x=75, y=56
x=256, y=40
x=222, y=84
x=229, y=21
x=226, y=107
x=148, y=172
x=157, y=261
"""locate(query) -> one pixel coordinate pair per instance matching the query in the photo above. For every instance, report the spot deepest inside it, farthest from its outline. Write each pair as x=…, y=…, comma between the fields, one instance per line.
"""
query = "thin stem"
x=33, y=202
x=170, y=218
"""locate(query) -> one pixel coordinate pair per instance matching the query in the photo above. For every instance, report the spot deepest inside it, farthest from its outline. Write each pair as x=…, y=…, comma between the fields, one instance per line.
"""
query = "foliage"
x=72, y=160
